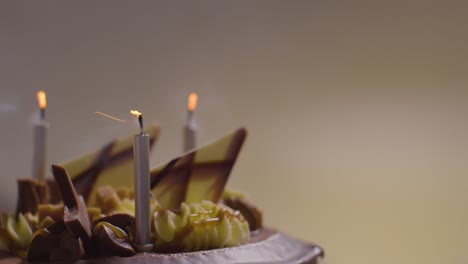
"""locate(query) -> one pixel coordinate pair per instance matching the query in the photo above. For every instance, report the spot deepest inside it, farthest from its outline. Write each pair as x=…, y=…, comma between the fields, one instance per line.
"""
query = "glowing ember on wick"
x=40, y=139
x=140, y=118
x=190, y=128
x=141, y=146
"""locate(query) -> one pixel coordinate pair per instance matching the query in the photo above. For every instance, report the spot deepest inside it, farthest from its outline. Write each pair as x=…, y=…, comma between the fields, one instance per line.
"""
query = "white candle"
x=141, y=147
x=40, y=140
x=190, y=128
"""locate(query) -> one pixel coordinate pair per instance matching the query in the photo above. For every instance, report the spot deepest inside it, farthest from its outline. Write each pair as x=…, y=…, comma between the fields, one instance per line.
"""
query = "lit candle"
x=190, y=128
x=141, y=146
x=40, y=138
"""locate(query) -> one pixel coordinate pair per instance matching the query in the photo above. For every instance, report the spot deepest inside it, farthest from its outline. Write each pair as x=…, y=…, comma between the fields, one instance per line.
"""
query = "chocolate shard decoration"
x=170, y=185
x=200, y=174
x=54, y=195
x=110, y=165
x=75, y=214
x=31, y=193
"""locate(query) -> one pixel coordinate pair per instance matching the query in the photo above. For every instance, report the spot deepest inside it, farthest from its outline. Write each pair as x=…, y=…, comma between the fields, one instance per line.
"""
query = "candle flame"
x=41, y=99
x=192, y=102
x=135, y=113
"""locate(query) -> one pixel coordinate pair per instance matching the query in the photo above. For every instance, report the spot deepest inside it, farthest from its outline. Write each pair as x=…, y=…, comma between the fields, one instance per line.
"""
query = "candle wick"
x=140, y=120
x=42, y=113
x=190, y=118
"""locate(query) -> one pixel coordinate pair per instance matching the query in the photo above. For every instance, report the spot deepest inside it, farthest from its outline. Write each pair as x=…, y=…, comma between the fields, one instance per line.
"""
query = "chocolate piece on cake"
x=75, y=214
x=123, y=221
x=54, y=195
x=189, y=219
x=31, y=193
x=169, y=185
x=112, y=241
x=55, y=243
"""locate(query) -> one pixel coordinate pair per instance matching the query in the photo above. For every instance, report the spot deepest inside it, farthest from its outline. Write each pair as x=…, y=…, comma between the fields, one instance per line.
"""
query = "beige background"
x=357, y=113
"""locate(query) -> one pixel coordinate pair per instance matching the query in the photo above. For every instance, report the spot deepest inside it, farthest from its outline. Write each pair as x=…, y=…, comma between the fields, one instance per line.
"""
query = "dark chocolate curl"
x=111, y=245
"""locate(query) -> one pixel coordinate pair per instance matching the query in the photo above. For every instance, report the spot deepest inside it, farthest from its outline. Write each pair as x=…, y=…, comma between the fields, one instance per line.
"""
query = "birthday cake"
x=86, y=213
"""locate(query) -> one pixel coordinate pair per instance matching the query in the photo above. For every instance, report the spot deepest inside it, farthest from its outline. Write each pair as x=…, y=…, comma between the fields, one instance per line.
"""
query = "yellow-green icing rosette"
x=15, y=234
x=199, y=226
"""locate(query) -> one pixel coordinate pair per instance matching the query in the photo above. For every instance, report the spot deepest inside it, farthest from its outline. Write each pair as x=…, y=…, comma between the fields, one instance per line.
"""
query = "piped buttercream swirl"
x=15, y=234
x=199, y=226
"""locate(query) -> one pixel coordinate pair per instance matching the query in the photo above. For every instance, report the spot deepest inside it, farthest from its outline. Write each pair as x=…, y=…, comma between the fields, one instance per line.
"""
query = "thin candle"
x=141, y=146
x=40, y=139
x=190, y=128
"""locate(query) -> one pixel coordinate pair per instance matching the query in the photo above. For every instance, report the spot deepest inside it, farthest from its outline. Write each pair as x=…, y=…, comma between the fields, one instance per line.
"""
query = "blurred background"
x=356, y=112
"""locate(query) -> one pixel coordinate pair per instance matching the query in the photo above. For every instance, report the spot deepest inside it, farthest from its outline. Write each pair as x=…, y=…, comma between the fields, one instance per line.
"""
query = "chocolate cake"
x=85, y=214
